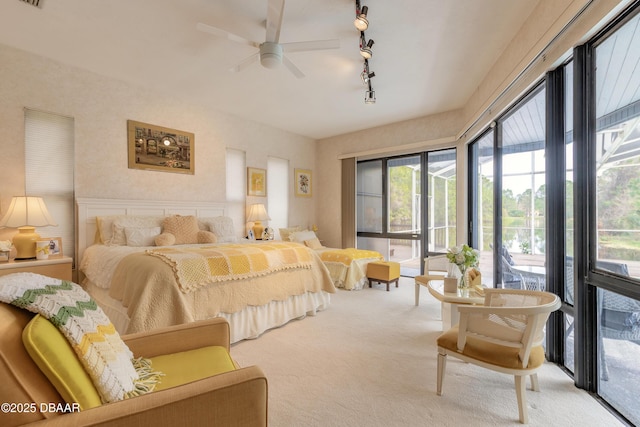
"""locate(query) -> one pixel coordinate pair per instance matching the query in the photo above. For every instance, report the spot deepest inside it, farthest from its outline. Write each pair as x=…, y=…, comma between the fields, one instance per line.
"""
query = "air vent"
x=36, y=3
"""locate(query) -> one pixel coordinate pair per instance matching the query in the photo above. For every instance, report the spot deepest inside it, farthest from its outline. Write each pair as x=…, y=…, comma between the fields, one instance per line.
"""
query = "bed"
x=347, y=267
x=141, y=288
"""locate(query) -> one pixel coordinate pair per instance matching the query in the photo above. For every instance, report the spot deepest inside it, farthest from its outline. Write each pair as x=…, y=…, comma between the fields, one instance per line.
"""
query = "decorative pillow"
x=222, y=227
x=286, y=232
x=141, y=236
x=104, y=227
x=184, y=228
x=53, y=354
x=119, y=238
x=206, y=237
x=313, y=243
x=301, y=236
x=165, y=239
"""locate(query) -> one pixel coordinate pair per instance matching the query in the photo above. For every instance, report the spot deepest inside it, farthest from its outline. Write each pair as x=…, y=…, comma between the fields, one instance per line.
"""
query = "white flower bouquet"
x=463, y=257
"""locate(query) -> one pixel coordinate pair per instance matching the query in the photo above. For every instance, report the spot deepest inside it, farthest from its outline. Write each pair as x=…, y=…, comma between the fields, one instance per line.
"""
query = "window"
x=49, y=162
x=482, y=205
x=236, y=187
x=278, y=186
x=616, y=228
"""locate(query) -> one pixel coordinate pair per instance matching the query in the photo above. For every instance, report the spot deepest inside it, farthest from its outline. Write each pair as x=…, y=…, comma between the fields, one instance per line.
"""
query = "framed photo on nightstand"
x=55, y=245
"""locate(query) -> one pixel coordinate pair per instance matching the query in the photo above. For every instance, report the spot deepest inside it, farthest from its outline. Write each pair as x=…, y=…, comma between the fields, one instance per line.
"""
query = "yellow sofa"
x=234, y=398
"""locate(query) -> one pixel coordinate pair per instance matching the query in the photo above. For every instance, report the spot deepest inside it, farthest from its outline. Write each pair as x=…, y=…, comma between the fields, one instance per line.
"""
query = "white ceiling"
x=429, y=56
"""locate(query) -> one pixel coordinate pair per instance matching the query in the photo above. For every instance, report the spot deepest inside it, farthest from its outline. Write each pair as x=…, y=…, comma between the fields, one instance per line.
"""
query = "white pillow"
x=301, y=236
x=143, y=236
x=222, y=227
x=133, y=221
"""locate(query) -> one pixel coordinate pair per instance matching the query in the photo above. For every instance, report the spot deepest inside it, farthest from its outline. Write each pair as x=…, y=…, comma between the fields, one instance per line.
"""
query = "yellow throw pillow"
x=313, y=243
x=53, y=354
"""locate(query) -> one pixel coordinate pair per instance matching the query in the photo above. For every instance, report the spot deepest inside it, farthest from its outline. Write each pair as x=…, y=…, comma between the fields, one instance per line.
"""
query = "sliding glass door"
x=393, y=212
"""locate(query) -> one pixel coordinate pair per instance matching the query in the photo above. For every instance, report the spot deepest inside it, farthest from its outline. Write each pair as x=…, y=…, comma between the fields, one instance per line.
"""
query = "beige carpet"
x=370, y=360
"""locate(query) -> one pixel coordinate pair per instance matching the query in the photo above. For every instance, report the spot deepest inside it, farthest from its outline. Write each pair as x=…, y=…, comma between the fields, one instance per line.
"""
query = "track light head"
x=370, y=97
x=366, y=51
x=365, y=76
x=361, y=21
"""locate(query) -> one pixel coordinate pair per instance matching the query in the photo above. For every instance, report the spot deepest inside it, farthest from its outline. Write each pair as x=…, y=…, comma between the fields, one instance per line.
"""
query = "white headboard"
x=88, y=209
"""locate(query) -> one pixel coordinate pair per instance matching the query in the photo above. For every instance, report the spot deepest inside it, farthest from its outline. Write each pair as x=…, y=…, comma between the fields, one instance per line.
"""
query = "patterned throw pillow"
x=143, y=236
x=222, y=227
x=184, y=228
x=286, y=232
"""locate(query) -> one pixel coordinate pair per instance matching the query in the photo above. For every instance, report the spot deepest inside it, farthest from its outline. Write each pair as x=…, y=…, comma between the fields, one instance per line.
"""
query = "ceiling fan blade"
x=291, y=67
x=245, y=63
x=311, y=45
x=275, y=10
x=224, y=34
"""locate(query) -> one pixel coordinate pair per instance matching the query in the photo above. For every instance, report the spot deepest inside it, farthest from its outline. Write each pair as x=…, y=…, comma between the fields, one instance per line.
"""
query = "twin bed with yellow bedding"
x=347, y=267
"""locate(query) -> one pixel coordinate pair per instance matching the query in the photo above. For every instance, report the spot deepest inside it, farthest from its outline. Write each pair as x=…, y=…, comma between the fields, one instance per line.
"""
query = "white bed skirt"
x=246, y=324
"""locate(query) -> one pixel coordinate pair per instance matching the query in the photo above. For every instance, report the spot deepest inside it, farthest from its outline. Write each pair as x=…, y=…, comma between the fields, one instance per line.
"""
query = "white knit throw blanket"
x=106, y=358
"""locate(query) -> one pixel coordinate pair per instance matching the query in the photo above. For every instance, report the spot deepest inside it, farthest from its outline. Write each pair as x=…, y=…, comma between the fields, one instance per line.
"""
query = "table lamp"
x=26, y=213
x=257, y=214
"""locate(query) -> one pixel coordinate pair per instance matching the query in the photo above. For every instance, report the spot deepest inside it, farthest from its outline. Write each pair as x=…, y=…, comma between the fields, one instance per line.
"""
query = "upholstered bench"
x=383, y=272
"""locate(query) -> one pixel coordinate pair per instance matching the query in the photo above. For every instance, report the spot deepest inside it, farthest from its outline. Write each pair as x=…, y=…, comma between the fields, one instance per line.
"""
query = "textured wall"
x=101, y=107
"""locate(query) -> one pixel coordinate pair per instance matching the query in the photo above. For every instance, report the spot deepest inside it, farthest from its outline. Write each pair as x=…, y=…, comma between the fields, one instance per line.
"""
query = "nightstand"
x=58, y=267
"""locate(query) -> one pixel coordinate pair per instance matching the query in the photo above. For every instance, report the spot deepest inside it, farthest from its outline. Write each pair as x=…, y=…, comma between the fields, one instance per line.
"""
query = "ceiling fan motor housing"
x=270, y=54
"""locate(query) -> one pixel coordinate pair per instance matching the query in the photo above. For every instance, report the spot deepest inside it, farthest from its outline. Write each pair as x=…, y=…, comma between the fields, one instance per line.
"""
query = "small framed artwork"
x=55, y=245
x=256, y=182
x=302, y=179
x=160, y=149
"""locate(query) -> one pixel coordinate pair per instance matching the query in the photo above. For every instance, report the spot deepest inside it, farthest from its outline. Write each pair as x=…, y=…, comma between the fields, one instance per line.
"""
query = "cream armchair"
x=435, y=268
x=234, y=398
x=504, y=335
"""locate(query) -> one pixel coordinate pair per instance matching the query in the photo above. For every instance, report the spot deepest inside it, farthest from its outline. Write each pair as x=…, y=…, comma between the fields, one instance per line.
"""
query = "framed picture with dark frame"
x=302, y=182
x=161, y=149
x=256, y=182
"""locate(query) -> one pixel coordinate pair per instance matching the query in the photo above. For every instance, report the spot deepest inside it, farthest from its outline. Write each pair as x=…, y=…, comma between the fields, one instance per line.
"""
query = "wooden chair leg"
x=417, y=294
x=534, y=382
x=442, y=365
x=522, y=398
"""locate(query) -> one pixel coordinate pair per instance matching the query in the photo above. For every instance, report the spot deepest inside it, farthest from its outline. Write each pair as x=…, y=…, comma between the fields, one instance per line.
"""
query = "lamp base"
x=258, y=229
x=25, y=242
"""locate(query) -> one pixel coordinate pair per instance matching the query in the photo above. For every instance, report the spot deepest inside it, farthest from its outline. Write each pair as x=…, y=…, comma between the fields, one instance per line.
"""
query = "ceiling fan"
x=271, y=52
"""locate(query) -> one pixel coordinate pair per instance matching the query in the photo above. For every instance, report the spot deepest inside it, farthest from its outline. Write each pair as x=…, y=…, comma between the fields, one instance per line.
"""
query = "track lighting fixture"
x=361, y=21
x=365, y=50
x=370, y=97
